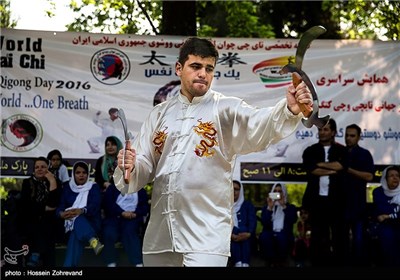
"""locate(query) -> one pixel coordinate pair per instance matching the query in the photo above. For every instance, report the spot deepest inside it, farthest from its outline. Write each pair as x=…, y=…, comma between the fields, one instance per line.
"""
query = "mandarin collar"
x=196, y=99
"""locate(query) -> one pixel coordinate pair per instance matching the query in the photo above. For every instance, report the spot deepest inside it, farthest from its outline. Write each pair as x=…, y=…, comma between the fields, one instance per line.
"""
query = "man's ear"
x=178, y=68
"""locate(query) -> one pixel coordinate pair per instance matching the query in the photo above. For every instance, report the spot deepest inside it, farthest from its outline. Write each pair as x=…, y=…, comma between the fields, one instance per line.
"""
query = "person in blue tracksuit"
x=124, y=221
x=386, y=202
x=278, y=217
x=244, y=227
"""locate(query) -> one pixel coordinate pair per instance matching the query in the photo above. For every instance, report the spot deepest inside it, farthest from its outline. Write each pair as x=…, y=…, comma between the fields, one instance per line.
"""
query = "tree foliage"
x=113, y=16
x=353, y=19
x=291, y=18
x=5, y=13
x=366, y=19
x=231, y=19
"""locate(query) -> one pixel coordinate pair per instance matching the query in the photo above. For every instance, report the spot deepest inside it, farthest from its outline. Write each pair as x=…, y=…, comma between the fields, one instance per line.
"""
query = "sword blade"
x=311, y=115
x=121, y=115
x=305, y=42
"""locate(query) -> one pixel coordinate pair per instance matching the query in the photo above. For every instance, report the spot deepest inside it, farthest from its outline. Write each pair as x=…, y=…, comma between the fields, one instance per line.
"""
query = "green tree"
x=5, y=13
x=113, y=16
x=354, y=19
x=367, y=19
x=231, y=19
x=291, y=18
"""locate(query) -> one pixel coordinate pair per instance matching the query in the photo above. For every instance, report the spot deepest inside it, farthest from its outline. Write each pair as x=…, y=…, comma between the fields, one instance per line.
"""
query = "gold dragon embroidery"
x=159, y=140
x=207, y=131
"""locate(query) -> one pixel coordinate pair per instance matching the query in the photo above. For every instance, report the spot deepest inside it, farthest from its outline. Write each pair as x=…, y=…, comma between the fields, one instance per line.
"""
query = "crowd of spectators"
x=334, y=226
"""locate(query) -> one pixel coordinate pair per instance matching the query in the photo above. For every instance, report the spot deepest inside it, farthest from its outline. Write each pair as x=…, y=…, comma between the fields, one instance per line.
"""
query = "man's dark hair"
x=112, y=110
x=332, y=124
x=356, y=127
x=199, y=47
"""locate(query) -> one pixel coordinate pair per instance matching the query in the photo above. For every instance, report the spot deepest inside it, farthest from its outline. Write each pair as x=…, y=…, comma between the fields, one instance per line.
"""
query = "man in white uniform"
x=109, y=127
x=188, y=146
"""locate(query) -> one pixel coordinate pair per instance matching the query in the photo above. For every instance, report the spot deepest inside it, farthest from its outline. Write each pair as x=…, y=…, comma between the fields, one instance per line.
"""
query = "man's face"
x=196, y=75
x=326, y=134
x=114, y=116
x=351, y=137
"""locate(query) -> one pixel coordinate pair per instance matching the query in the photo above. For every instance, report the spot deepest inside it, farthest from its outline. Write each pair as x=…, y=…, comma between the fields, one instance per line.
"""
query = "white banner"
x=57, y=89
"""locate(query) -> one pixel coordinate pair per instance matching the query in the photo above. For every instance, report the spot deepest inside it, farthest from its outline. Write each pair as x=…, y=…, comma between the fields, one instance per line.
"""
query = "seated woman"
x=386, y=203
x=278, y=218
x=244, y=227
x=80, y=208
x=124, y=221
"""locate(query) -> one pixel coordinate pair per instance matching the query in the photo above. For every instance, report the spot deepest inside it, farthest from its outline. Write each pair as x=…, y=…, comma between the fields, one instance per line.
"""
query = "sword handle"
x=296, y=80
x=126, y=171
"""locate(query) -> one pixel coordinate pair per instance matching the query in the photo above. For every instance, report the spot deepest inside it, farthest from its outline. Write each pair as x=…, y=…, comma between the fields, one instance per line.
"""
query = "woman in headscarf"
x=244, y=227
x=80, y=208
x=278, y=217
x=106, y=164
x=386, y=201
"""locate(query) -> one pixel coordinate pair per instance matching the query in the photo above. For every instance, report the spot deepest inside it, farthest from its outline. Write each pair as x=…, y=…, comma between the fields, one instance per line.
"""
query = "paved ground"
x=89, y=259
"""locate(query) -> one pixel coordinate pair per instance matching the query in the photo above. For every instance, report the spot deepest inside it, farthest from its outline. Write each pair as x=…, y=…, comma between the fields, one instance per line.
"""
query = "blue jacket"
x=93, y=207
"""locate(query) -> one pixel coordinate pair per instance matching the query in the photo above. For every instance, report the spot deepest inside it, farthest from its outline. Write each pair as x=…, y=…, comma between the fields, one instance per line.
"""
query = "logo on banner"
x=21, y=133
x=110, y=66
x=11, y=256
x=268, y=71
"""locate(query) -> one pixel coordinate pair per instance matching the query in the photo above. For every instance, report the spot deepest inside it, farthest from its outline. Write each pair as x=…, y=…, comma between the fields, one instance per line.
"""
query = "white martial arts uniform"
x=189, y=150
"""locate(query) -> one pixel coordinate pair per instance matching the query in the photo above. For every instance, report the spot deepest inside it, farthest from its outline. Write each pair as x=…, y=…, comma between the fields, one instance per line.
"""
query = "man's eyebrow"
x=199, y=64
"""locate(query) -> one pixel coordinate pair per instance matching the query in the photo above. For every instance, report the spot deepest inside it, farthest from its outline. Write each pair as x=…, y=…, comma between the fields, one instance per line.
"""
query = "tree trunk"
x=179, y=18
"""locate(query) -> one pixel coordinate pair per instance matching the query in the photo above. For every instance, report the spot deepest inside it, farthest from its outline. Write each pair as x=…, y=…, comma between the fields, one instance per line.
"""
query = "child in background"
x=57, y=167
x=302, y=233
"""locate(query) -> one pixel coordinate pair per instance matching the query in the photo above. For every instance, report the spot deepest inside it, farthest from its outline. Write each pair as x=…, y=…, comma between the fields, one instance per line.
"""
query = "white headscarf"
x=237, y=205
x=82, y=190
x=393, y=193
x=278, y=216
x=128, y=202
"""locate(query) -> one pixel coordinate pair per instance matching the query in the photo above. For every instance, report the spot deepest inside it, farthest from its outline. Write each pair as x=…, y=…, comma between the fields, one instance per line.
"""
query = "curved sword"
x=121, y=116
x=311, y=115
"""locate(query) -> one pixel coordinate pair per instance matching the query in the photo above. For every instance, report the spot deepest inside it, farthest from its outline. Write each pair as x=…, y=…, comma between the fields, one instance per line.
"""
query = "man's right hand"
x=129, y=162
